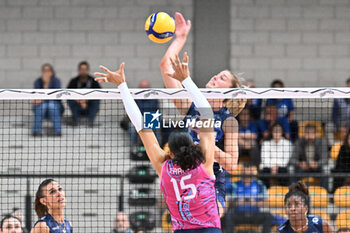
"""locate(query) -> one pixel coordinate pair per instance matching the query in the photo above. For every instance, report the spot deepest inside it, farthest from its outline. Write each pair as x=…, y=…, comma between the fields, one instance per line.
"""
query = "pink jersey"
x=190, y=196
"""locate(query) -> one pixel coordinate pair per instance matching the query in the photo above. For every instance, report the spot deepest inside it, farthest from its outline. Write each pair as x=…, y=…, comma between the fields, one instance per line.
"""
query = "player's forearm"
x=227, y=160
x=165, y=65
x=131, y=107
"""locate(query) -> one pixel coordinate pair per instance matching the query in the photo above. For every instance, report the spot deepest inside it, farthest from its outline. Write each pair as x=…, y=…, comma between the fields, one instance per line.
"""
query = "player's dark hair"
x=298, y=189
x=186, y=154
x=40, y=209
x=8, y=216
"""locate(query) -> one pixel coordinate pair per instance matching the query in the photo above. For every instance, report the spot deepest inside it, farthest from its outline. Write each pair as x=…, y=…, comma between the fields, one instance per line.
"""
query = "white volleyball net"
x=83, y=139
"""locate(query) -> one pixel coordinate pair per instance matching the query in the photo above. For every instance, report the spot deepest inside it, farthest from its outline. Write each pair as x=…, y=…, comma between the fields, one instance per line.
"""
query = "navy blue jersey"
x=220, y=173
x=315, y=225
x=220, y=115
x=54, y=226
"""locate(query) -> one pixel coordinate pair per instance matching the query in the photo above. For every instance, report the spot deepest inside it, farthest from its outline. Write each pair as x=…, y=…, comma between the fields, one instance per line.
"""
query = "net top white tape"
x=212, y=93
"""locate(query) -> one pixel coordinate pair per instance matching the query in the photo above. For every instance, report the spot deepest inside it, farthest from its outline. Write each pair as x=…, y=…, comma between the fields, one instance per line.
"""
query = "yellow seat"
x=335, y=150
x=166, y=221
x=323, y=214
x=343, y=219
x=238, y=171
x=247, y=227
x=280, y=212
x=318, y=196
x=342, y=196
x=276, y=195
x=310, y=180
x=317, y=124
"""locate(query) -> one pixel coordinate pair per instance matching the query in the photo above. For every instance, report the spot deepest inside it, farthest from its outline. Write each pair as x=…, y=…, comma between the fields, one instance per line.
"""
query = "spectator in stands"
x=248, y=195
x=310, y=154
x=341, y=110
x=344, y=230
x=297, y=206
x=10, y=224
x=285, y=106
x=254, y=105
x=80, y=108
x=145, y=105
x=247, y=137
x=51, y=108
x=271, y=117
x=121, y=223
x=343, y=163
x=275, y=154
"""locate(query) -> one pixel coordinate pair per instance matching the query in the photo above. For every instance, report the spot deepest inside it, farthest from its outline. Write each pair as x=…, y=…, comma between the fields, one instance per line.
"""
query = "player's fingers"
x=189, y=24
x=177, y=59
x=101, y=80
x=122, y=67
x=100, y=74
x=172, y=63
x=105, y=69
x=185, y=58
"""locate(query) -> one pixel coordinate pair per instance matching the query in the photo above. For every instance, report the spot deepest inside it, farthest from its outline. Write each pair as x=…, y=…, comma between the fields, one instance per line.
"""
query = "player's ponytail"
x=235, y=106
x=299, y=189
x=40, y=209
x=186, y=154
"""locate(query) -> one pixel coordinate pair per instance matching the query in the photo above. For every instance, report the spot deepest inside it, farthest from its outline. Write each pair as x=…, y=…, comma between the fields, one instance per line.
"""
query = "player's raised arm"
x=154, y=152
x=207, y=142
x=181, y=32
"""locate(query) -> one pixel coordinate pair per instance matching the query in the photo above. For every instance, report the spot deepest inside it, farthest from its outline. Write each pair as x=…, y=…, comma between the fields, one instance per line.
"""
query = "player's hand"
x=182, y=27
x=117, y=77
x=181, y=70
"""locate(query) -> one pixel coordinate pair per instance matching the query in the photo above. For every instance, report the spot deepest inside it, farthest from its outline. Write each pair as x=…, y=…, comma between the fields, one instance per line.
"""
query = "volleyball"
x=160, y=27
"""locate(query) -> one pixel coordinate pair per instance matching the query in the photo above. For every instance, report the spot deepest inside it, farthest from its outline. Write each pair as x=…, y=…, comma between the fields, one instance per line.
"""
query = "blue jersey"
x=284, y=106
x=315, y=225
x=54, y=226
x=219, y=172
x=256, y=189
x=220, y=115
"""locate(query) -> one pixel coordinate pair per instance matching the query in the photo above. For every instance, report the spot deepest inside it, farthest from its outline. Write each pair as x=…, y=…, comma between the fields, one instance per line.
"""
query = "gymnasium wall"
x=302, y=42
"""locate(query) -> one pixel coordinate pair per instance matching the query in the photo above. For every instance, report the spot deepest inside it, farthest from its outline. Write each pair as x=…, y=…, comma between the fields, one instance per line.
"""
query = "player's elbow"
x=231, y=168
x=163, y=63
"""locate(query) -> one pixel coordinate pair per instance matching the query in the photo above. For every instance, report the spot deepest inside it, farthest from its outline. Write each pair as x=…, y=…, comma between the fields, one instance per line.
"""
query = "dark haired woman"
x=187, y=178
x=49, y=204
x=297, y=206
x=275, y=154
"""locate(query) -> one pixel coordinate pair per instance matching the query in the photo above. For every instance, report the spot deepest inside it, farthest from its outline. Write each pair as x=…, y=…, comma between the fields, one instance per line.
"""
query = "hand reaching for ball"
x=117, y=77
x=181, y=71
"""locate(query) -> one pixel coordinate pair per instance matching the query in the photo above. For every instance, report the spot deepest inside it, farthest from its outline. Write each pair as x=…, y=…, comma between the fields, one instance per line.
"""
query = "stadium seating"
x=335, y=150
x=343, y=219
x=317, y=124
x=318, y=196
x=342, y=196
x=276, y=195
